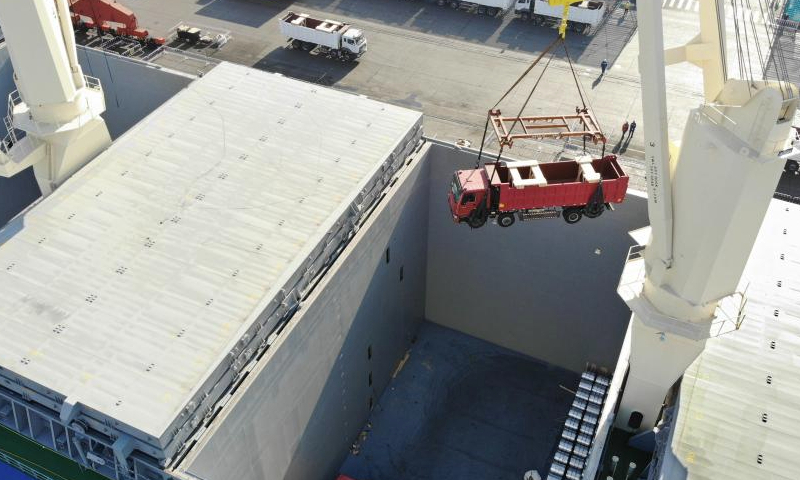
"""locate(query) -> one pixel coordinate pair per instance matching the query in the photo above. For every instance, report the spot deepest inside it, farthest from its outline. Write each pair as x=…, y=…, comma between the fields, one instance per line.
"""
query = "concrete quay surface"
x=453, y=65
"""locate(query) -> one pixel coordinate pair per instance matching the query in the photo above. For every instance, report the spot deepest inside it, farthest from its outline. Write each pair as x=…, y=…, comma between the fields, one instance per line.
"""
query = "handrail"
x=23, y=467
x=93, y=83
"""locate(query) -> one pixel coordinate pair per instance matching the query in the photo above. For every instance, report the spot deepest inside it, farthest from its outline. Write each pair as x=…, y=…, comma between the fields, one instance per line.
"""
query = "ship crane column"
x=54, y=121
x=706, y=202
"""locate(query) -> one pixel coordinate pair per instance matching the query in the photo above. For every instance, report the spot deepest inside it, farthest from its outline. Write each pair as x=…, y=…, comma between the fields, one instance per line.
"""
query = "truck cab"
x=353, y=40
x=468, y=191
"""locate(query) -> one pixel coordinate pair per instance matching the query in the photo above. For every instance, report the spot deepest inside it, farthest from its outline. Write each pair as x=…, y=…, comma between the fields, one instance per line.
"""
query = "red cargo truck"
x=526, y=190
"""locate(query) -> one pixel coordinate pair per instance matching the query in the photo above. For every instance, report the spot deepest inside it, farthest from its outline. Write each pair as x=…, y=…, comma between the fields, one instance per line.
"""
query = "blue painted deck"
x=8, y=472
x=463, y=408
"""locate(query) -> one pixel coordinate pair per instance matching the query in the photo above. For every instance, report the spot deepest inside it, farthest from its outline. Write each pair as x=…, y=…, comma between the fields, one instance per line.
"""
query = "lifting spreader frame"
x=541, y=127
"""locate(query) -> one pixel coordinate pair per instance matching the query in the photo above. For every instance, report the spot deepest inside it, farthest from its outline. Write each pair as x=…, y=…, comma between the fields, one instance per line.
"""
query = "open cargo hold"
x=148, y=282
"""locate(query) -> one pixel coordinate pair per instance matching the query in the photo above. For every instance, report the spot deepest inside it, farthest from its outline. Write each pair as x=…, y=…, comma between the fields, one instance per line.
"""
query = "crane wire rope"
x=749, y=59
x=776, y=56
x=739, y=52
x=530, y=94
x=513, y=86
x=760, y=54
x=781, y=59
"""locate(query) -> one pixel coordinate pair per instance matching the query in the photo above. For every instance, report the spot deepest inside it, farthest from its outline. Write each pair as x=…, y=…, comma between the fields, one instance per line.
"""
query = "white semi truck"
x=328, y=37
x=583, y=15
x=493, y=8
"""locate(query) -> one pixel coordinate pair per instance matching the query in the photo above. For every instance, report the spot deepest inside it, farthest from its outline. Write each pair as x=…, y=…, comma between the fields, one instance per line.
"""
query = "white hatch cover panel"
x=739, y=413
x=128, y=286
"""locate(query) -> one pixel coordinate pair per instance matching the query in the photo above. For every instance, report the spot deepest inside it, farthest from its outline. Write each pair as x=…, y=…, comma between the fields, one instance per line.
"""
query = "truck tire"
x=307, y=46
x=476, y=220
x=537, y=20
x=791, y=166
x=454, y=5
x=572, y=215
x=505, y=219
x=525, y=16
x=594, y=211
x=296, y=44
x=491, y=11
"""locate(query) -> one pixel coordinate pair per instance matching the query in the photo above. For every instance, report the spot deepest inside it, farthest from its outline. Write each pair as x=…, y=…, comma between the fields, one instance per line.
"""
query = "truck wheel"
x=491, y=11
x=572, y=215
x=505, y=219
x=297, y=44
x=537, y=20
x=476, y=221
x=791, y=166
x=594, y=211
x=453, y=5
x=525, y=16
x=307, y=46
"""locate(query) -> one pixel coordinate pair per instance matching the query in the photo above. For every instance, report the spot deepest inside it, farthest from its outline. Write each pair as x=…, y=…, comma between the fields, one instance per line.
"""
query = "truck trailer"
x=527, y=190
x=327, y=37
x=493, y=8
x=583, y=15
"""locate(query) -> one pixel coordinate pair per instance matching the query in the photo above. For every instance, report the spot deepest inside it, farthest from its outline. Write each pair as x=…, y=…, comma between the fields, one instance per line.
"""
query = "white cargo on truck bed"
x=583, y=16
x=488, y=7
x=331, y=37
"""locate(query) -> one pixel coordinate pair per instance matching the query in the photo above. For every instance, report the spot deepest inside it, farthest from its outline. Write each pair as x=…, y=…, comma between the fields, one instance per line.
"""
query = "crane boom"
x=706, y=202
x=655, y=126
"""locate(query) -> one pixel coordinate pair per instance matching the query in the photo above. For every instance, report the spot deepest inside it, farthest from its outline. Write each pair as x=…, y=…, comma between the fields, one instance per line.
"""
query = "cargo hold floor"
x=463, y=408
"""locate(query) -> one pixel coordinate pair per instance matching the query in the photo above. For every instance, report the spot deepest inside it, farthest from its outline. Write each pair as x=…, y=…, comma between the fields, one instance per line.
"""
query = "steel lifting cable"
x=530, y=94
x=776, y=51
x=761, y=63
x=519, y=114
x=575, y=76
x=513, y=86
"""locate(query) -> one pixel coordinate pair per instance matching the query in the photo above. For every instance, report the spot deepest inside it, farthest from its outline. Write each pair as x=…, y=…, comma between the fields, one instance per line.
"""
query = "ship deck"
x=462, y=407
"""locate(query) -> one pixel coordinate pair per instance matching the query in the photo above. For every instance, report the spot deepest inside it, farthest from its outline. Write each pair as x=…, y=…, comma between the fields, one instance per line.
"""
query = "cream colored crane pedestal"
x=706, y=202
x=53, y=121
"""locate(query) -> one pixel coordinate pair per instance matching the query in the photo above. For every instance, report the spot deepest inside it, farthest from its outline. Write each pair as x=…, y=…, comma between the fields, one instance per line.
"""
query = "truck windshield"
x=358, y=39
x=455, y=187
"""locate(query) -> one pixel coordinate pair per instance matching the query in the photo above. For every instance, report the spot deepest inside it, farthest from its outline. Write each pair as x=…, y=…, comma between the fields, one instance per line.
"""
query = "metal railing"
x=14, y=99
x=23, y=467
x=13, y=136
x=93, y=83
x=636, y=252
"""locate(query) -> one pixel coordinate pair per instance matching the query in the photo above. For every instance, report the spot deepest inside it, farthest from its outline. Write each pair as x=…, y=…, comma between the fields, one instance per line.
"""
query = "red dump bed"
x=565, y=186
